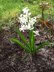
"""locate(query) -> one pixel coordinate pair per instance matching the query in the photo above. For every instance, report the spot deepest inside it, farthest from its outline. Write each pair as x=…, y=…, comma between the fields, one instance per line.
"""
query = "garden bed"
x=12, y=57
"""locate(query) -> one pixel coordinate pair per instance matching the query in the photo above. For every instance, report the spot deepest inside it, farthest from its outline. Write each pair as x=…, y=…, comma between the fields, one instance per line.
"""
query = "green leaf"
x=31, y=40
x=43, y=44
x=22, y=37
x=15, y=40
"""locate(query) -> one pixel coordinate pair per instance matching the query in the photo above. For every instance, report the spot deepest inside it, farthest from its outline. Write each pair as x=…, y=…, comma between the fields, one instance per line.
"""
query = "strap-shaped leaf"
x=43, y=44
x=15, y=40
x=22, y=37
x=31, y=40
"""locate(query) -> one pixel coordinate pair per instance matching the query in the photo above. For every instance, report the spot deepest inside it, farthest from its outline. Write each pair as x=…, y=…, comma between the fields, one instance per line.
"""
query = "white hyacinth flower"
x=25, y=10
x=27, y=23
x=36, y=33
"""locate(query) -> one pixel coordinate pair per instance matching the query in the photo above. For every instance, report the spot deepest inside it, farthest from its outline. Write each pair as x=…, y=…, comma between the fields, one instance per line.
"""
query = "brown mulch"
x=11, y=57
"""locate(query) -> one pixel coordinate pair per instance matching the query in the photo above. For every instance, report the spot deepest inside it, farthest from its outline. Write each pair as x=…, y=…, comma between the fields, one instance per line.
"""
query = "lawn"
x=12, y=8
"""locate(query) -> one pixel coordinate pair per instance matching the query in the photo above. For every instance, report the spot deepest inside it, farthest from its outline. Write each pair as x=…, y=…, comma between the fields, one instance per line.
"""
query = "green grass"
x=12, y=8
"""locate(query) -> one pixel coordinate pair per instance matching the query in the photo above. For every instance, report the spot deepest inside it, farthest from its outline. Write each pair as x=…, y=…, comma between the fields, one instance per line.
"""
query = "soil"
x=12, y=57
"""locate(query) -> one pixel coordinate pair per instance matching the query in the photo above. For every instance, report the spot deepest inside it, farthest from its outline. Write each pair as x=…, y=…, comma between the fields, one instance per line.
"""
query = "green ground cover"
x=11, y=8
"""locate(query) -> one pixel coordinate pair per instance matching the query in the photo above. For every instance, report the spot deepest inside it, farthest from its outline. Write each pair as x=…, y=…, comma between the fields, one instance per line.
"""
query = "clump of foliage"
x=8, y=24
x=44, y=6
